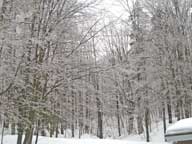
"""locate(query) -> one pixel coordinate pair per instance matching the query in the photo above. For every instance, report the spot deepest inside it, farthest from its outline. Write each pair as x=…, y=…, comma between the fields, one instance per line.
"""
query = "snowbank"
x=46, y=140
x=182, y=126
x=156, y=137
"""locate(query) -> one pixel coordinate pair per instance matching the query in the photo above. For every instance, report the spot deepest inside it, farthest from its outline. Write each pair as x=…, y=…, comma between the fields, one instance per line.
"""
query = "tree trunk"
x=42, y=127
x=139, y=125
x=19, y=138
x=73, y=114
x=62, y=129
x=2, y=132
x=12, y=128
x=37, y=131
x=100, y=119
x=147, y=124
x=28, y=136
x=169, y=110
x=29, y=130
x=164, y=118
x=51, y=129
x=119, y=125
x=182, y=110
x=20, y=133
x=81, y=115
x=87, y=114
x=187, y=107
x=72, y=130
x=118, y=117
x=57, y=130
x=37, y=137
x=130, y=127
x=178, y=114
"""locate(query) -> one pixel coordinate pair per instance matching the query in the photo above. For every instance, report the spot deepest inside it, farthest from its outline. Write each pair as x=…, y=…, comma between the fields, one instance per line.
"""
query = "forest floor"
x=46, y=140
x=156, y=137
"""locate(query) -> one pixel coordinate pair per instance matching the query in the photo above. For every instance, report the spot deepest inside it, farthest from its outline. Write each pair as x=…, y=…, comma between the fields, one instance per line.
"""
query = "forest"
x=69, y=68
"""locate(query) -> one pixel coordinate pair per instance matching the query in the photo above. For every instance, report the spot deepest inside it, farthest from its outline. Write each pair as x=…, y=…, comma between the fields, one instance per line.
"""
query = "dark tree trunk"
x=57, y=130
x=169, y=110
x=19, y=138
x=178, y=112
x=130, y=128
x=100, y=125
x=37, y=137
x=73, y=115
x=72, y=130
x=51, y=129
x=87, y=114
x=100, y=119
x=73, y=125
x=147, y=124
x=119, y=125
x=118, y=117
x=37, y=132
x=20, y=133
x=187, y=109
x=164, y=118
x=6, y=123
x=62, y=129
x=28, y=136
x=42, y=131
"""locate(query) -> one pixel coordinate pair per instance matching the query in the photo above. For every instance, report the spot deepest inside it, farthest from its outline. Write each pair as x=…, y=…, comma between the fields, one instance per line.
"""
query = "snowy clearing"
x=46, y=140
x=156, y=137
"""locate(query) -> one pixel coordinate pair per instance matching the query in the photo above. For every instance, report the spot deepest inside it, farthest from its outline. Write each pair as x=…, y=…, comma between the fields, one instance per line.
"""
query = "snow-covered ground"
x=45, y=140
x=156, y=137
x=181, y=126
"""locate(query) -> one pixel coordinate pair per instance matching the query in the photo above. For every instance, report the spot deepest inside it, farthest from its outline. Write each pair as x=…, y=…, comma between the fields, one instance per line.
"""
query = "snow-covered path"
x=46, y=140
x=157, y=137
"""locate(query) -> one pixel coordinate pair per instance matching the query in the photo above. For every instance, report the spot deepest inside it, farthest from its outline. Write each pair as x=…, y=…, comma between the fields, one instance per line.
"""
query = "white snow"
x=46, y=140
x=156, y=137
x=181, y=126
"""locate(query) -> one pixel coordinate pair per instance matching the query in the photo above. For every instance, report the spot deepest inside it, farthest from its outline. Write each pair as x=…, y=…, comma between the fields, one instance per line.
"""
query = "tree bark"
x=57, y=130
x=187, y=107
x=178, y=112
x=62, y=129
x=87, y=114
x=28, y=136
x=139, y=125
x=164, y=118
x=169, y=110
x=2, y=132
x=130, y=127
x=100, y=119
x=72, y=130
x=12, y=128
x=37, y=133
x=118, y=117
x=147, y=124
x=20, y=133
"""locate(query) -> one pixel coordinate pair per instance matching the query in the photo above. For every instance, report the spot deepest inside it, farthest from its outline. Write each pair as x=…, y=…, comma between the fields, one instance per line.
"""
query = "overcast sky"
x=113, y=6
